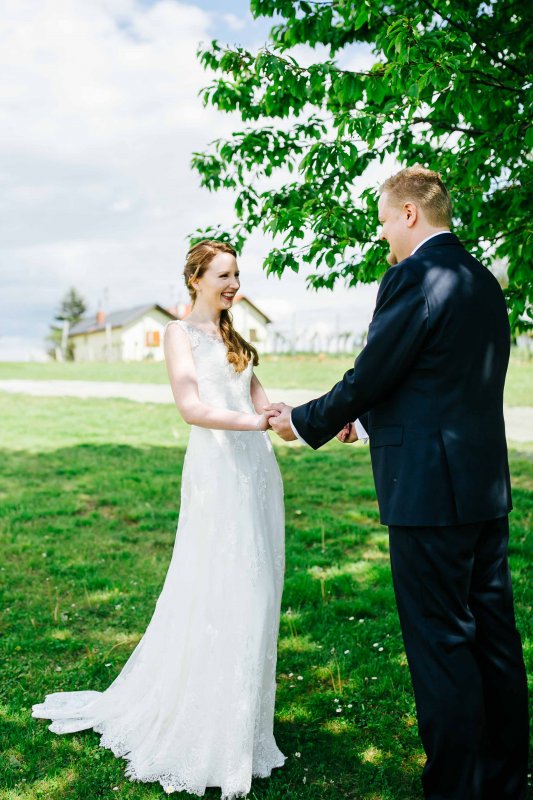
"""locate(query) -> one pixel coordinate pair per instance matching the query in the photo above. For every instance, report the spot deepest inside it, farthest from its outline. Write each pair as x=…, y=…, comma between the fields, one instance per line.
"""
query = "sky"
x=99, y=116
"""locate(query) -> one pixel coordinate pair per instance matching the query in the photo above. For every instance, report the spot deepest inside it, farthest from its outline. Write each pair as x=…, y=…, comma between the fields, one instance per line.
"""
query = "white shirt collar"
x=438, y=233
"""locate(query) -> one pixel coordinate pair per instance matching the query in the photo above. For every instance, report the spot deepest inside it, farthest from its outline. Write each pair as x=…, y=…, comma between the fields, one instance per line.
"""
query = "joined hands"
x=278, y=418
x=263, y=420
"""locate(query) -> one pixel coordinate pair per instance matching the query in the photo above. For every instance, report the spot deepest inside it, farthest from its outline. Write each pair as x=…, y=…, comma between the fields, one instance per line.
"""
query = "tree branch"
x=445, y=126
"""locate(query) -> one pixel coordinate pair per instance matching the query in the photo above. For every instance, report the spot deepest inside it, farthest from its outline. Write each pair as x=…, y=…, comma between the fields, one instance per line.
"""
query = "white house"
x=251, y=322
x=136, y=334
x=133, y=334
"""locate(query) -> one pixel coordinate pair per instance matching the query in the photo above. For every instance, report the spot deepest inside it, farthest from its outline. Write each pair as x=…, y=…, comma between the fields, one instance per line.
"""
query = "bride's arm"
x=258, y=395
x=182, y=377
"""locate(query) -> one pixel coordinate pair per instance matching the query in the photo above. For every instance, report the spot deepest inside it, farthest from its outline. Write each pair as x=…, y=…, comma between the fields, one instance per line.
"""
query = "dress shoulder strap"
x=190, y=330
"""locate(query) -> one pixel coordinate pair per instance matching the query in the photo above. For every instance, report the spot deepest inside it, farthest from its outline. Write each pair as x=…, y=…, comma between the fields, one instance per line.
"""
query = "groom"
x=428, y=388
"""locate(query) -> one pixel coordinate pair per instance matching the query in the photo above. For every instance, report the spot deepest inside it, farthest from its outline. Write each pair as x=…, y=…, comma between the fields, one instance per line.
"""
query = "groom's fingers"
x=275, y=407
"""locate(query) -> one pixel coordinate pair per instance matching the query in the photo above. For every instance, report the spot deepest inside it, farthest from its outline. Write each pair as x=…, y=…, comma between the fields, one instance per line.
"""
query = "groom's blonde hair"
x=424, y=188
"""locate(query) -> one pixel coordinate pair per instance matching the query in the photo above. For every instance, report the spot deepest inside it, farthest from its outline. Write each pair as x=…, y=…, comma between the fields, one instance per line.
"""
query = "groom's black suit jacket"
x=428, y=387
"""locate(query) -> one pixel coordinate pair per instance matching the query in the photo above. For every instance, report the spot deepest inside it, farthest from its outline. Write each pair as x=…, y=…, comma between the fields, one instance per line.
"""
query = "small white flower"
x=351, y=619
x=339, y=709
x=58, y=669
x=374, y=678
x=304, y=779
x=332, y=650
x=376, y=644
x=108, y=664
x=349, y=705
x=300, y=678
x=115, y=788
x=297, y=755
x=380, y=649
x=291, y=674
x=361, y=620
x=346, y=652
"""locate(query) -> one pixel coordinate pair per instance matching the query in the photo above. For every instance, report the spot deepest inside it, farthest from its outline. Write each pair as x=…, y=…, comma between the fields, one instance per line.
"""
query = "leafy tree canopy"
x=72, y=307
x=450, y=88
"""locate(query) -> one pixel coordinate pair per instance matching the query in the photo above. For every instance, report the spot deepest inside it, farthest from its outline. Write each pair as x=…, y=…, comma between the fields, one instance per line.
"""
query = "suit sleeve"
x=395, y=337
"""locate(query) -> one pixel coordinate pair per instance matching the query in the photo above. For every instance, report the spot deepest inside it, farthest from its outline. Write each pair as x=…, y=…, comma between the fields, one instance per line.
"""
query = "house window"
x=152, y=339
x=253, y=335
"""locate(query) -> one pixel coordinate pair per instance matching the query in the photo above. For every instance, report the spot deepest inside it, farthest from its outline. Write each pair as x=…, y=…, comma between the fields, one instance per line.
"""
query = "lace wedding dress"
x=194, y=704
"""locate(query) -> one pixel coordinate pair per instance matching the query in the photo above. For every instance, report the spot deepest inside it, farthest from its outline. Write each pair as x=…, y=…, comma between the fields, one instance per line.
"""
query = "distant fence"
x=317, y=331
x=303, y=341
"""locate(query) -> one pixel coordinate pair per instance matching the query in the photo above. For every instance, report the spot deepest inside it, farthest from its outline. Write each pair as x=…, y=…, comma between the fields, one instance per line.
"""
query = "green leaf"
x=361, y=18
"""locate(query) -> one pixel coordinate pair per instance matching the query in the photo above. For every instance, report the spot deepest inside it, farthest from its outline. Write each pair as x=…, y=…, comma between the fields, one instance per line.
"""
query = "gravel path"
x=518, y=419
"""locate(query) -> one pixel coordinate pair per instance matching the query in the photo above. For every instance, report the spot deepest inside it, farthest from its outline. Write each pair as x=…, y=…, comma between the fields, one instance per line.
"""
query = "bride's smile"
x=217, y=286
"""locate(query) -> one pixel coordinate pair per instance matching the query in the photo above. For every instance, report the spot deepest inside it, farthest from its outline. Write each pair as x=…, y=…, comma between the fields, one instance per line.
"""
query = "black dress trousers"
x=455, y=602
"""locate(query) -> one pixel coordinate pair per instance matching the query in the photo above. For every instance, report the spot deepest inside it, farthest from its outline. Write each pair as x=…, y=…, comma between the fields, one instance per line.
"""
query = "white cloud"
x=99, y=116
x=234, y=22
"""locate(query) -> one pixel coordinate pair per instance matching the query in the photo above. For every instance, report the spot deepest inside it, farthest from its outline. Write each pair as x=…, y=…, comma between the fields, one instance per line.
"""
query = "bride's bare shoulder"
x=180, y=337
x=175, y=333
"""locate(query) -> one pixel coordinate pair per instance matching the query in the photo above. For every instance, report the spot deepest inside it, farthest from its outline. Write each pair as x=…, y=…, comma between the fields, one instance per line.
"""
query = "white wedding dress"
x=194, y=704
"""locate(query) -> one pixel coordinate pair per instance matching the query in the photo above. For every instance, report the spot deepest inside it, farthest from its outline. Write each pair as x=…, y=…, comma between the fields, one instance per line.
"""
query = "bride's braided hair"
x=198, y=258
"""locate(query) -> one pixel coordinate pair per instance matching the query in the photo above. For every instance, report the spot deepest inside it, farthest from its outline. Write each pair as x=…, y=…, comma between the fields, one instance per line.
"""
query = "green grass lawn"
x=89, y=498
x=305, y=371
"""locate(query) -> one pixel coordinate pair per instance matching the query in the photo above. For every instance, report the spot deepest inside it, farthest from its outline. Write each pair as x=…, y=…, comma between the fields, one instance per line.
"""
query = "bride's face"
x=220, y=282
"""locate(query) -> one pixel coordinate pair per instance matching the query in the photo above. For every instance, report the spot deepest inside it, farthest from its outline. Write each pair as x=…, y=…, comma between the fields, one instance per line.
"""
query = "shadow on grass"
x=87, y=535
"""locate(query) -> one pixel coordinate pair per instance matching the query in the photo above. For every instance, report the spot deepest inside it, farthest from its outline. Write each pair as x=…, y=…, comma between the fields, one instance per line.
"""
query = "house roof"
x=116, y=319
x=241, y=297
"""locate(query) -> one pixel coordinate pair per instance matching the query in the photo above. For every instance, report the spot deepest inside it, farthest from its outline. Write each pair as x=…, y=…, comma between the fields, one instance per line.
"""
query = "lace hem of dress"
x=173, y=782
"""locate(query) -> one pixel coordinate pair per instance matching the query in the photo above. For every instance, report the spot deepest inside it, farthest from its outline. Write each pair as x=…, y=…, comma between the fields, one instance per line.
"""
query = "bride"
x=194, y=704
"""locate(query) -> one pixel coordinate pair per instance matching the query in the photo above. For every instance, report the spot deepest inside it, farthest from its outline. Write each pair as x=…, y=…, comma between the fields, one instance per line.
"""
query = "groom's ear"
x=410, y=214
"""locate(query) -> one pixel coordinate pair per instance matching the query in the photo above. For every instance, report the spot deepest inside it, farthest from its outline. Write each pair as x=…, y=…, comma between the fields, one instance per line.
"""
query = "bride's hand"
x=262, y=423
x=263, y=420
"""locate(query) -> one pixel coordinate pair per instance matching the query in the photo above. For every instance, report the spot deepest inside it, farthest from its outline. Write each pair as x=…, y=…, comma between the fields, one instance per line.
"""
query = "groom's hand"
x=282, y=423
x=348, y=434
